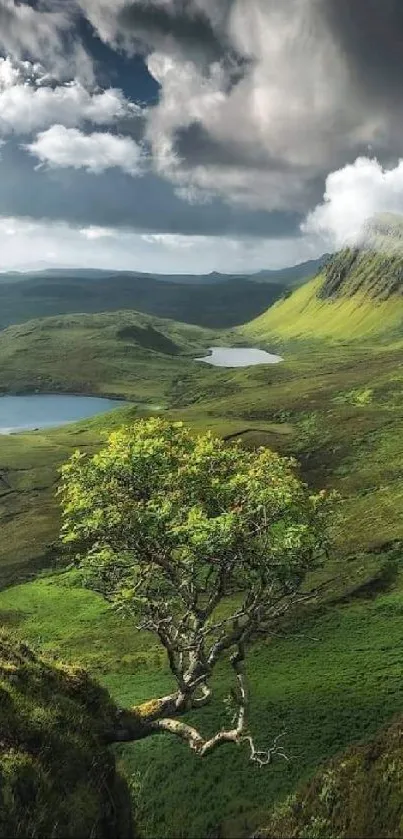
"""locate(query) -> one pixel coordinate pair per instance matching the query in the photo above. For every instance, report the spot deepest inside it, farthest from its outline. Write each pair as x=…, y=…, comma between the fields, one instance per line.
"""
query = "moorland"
x=333, y=677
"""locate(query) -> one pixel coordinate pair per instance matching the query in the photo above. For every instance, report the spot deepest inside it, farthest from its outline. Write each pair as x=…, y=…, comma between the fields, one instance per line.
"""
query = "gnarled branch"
x=147, y=719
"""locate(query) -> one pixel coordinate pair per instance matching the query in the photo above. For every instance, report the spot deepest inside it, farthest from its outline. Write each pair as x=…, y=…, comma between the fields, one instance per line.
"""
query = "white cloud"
x=27, y=104
x=68, y=147
x=41, y=244
x=353, y=195
x=103, y=16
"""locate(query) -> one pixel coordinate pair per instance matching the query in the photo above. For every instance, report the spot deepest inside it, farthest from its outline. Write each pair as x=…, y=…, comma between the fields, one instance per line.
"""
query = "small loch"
x=35, y=411
x=238, y=357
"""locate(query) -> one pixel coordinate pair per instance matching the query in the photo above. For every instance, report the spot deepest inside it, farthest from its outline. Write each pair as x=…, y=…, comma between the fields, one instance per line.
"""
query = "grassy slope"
x=341, y=412
x=29, y=515
x=358, y=793
x=338, y=408
x=304, y=315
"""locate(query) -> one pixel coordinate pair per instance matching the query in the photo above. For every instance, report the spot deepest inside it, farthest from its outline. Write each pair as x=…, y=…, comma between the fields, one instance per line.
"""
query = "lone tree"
x=204, y=544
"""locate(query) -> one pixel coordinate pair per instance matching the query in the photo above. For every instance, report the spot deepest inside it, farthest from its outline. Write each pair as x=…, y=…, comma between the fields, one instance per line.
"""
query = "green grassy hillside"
x=338, y=409
x=357, y=295
x=123, y=353
x=336, y=403
x=57, y=778
x=358, y=794
x=308, y=313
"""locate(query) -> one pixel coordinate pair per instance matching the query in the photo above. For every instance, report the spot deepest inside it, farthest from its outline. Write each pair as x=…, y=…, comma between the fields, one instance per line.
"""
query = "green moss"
x=57, y=777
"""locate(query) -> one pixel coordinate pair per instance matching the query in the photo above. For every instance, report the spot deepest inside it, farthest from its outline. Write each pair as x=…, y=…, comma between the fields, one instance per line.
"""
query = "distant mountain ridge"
x=212, y=300
x=294, y=273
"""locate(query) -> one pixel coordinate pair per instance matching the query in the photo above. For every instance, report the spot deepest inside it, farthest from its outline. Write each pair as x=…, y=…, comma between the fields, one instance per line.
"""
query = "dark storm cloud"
x=370, y=33
x=112, y=199
x=189, y=27
x=197, y=147
x=266, y=130
x=195, y=30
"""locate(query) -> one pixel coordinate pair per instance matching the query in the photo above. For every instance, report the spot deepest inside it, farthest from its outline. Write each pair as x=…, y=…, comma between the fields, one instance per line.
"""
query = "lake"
x=23, y=413
x=238, y=357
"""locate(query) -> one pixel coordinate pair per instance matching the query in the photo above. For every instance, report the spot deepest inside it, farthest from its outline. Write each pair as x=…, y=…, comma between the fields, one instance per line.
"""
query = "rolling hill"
x=117, y=353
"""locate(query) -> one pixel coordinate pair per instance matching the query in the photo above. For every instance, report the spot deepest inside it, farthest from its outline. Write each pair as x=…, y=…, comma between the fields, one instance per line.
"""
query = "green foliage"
x=355, y=397
x=57, y=779
x=325, y=692
x=163, y=519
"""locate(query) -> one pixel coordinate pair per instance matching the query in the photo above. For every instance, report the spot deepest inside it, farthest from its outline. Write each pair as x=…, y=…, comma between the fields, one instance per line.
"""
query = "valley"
x=213, y=300
x=335, y=403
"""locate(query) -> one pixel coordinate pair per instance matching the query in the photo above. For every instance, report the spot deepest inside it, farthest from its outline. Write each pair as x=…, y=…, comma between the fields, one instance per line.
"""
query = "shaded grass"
x=57, y=778
x=357, y=794
x=333, y=680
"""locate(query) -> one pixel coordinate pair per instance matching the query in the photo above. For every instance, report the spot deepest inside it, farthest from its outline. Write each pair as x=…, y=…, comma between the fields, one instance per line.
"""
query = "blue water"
x=238, y=357
x=23, y=413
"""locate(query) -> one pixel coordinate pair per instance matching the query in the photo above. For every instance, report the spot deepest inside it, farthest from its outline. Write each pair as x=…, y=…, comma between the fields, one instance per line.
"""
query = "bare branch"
x=264, y=758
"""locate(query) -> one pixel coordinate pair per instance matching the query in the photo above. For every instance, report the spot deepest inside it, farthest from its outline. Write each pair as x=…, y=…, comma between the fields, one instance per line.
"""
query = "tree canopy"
x=203, y=543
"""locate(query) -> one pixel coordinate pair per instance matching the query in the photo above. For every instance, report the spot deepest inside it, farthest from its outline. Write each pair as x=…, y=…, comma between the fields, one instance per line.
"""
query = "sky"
x=187, y=136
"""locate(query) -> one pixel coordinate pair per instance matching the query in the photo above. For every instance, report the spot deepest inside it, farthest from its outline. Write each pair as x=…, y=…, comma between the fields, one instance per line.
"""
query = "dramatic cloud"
x=293, y=114
x=251, y=104
x=192, y=28
x=354, y=194
x=369, y=33
x=260, y=99
x=63, y=147
x=112, y=199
